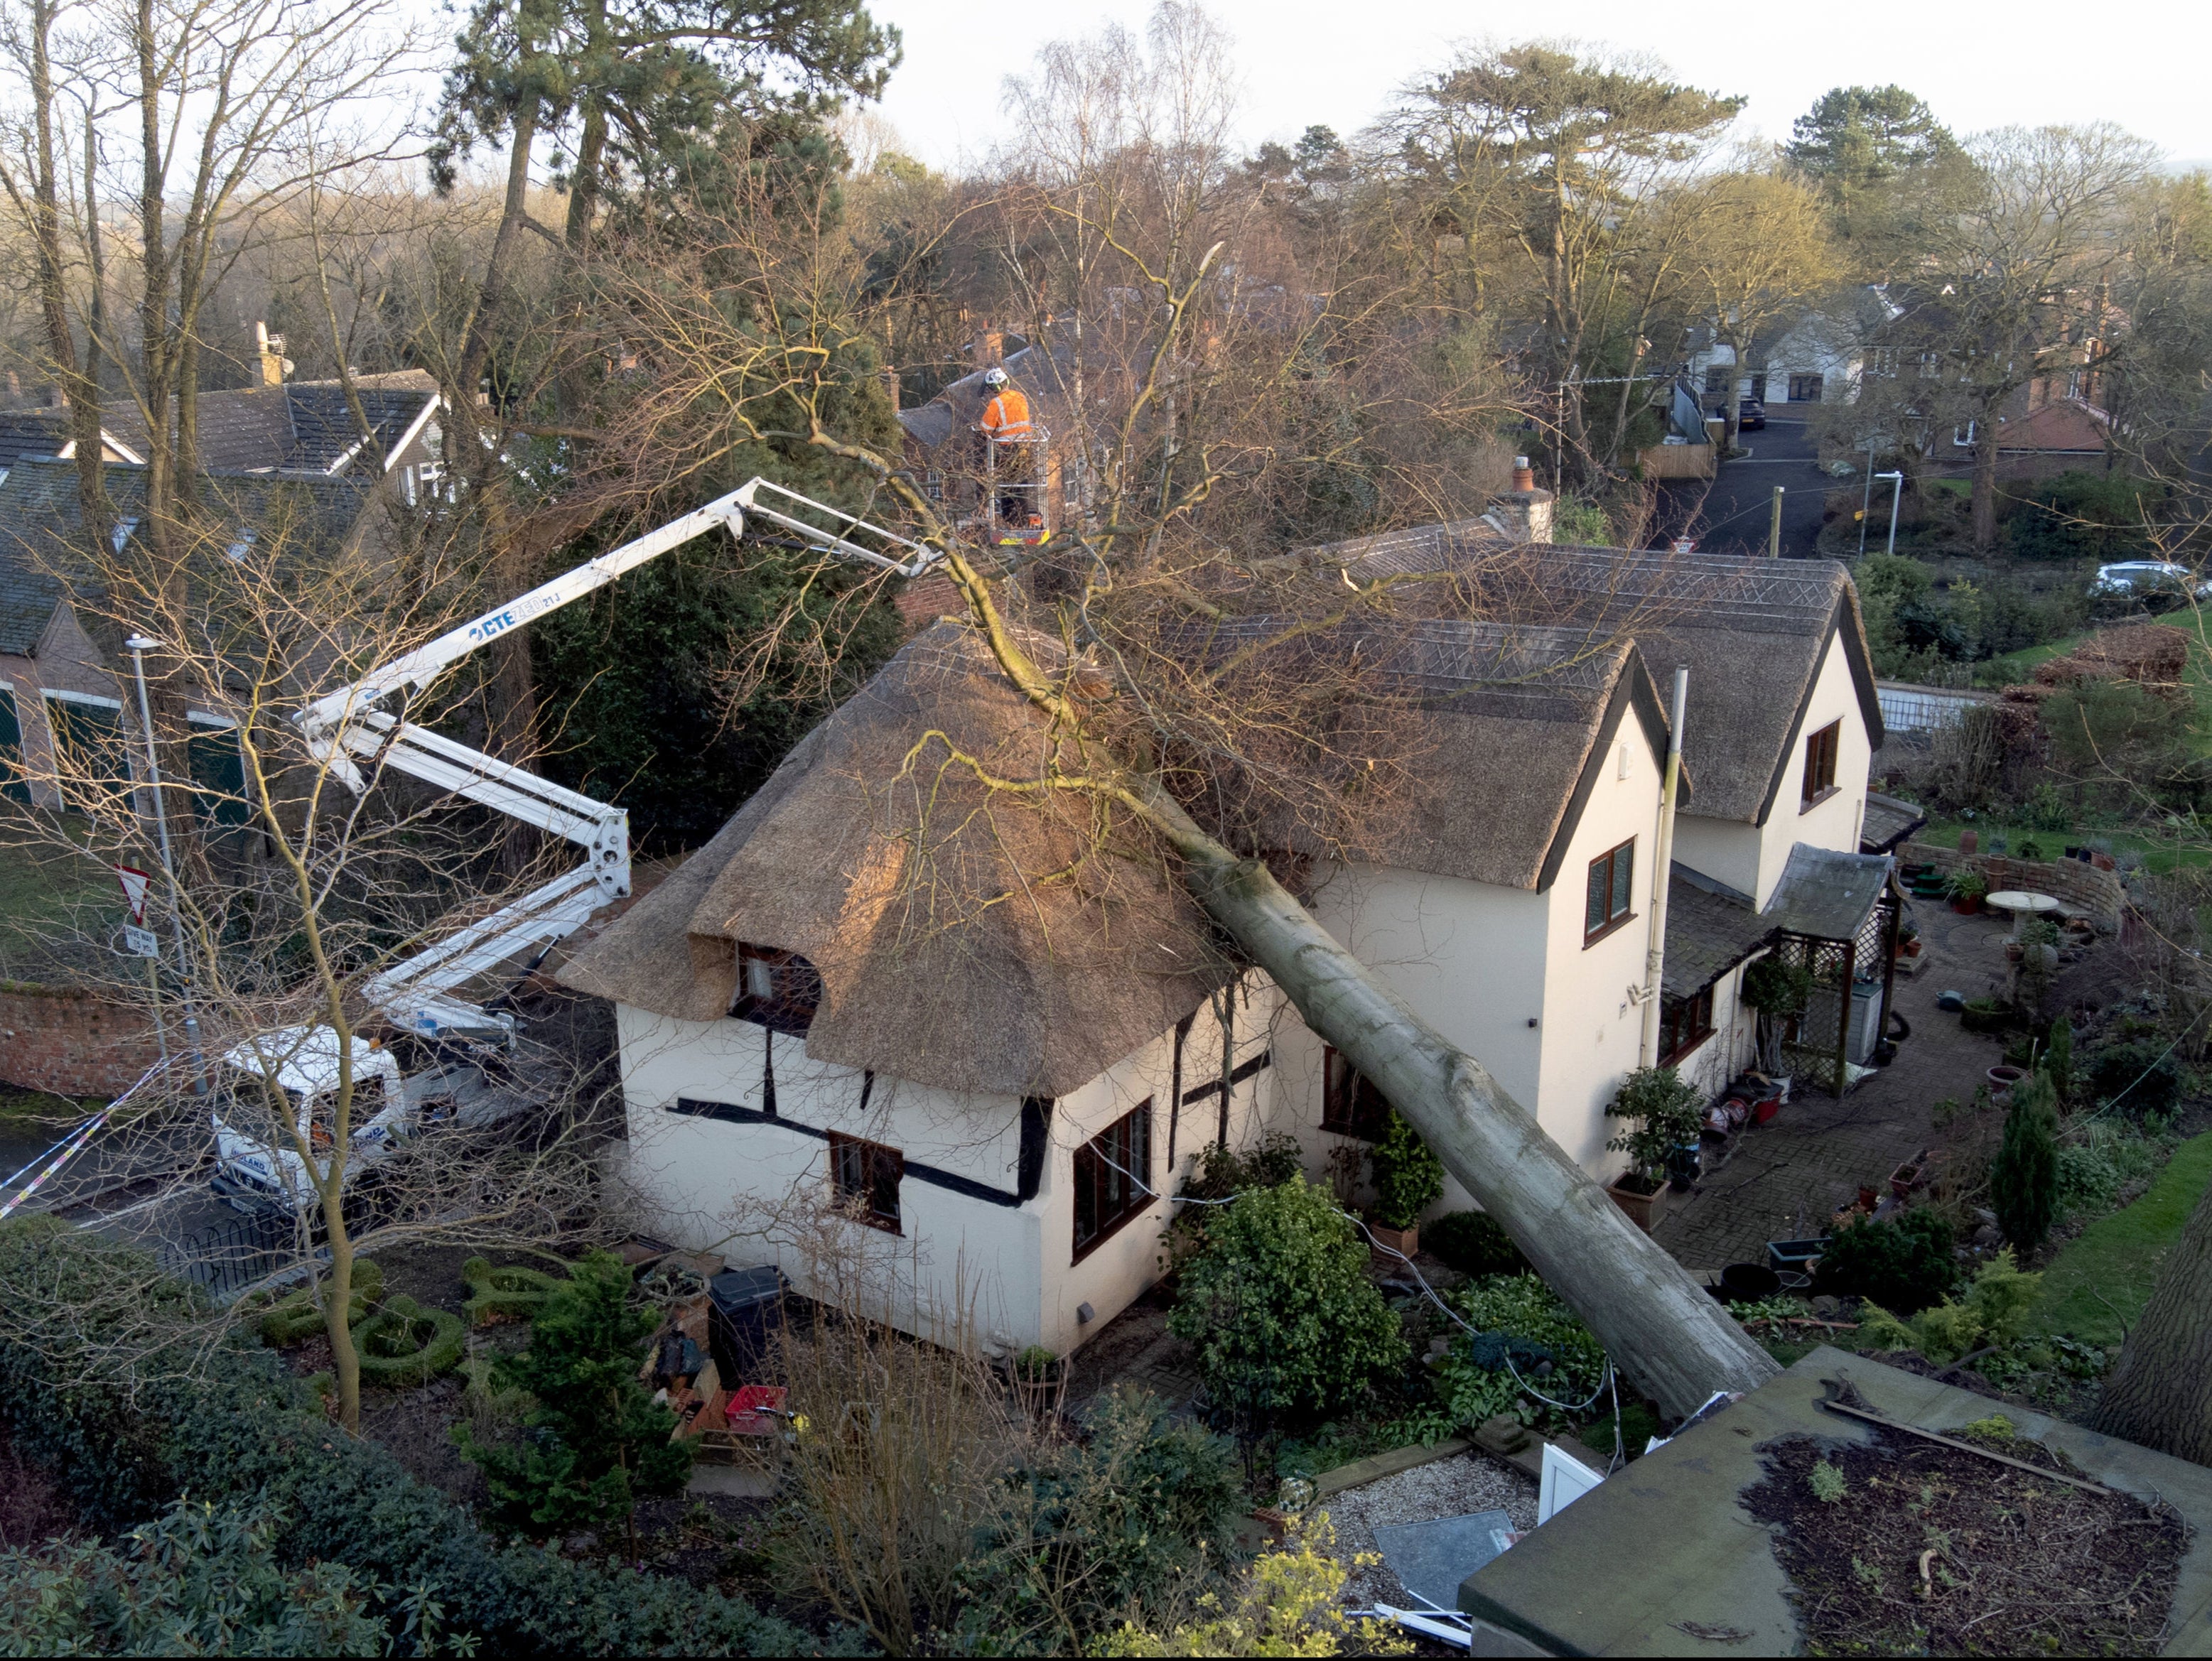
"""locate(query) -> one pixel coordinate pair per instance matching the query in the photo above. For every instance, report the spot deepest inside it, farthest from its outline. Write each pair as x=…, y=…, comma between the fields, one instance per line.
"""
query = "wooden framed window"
x=1612, y=881
x=779, y=990
x=1113, y=1178
x=1684, y=1024
x=1350, y=1105
x=1806, y=389
x=1719, y=377
x=866, y=1176
x=1820, y=765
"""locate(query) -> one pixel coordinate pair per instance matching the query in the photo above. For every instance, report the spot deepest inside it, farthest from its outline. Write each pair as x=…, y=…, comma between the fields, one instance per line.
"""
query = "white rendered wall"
x=1593, y=1033
x=1750, y=858
x=761, y=1192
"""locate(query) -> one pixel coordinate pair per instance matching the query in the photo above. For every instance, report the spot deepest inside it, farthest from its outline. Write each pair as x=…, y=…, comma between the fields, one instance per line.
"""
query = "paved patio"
x=1786, y=1178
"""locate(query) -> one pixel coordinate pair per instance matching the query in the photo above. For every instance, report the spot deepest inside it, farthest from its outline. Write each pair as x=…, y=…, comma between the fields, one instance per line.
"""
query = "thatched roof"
x=986, y=942
x=1513, y=726
x=969, y=940
x=1752, y=632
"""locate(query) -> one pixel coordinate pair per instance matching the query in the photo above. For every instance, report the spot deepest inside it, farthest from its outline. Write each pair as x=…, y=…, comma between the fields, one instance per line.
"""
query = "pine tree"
x=2024, y=1179
x=595, y=1440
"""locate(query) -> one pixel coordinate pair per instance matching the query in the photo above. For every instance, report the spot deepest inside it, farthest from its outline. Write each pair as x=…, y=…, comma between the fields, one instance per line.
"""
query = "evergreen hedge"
x=85, y=1323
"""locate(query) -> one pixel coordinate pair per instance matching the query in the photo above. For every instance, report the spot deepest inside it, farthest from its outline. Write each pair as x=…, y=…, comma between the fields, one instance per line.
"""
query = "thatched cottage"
x=963, y=1020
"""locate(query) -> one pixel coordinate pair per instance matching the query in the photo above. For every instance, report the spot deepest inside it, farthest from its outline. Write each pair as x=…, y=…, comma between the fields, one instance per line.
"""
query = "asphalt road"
x=1731, y=514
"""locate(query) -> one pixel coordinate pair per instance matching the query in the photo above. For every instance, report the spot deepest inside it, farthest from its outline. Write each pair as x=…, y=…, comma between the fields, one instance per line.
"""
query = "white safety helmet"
x=994, y=378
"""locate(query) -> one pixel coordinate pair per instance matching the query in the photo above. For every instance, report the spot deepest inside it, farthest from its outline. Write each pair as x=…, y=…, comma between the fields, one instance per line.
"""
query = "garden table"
x=2022, y=905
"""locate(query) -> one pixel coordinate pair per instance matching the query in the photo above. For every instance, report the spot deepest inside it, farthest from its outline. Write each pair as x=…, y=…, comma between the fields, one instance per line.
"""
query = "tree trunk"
x=1985, y=481
x=345, y=1360
x=1665, y=1332
x=2161, y=1393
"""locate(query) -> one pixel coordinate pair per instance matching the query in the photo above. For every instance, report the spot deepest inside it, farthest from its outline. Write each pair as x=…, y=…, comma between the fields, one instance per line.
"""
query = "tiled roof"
x=1827, y=894
x=302, y=426
x=1711, y=929
x=31, y=433
x=1888, y=823
x=41, y=547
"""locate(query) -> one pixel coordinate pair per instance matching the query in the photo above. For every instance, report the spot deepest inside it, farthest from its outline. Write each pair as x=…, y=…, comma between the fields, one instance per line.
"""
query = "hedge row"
x=85, y=1325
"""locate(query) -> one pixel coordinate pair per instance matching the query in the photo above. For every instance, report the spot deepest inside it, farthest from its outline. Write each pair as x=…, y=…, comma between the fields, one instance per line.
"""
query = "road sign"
x=134, y=883
x=140, y=943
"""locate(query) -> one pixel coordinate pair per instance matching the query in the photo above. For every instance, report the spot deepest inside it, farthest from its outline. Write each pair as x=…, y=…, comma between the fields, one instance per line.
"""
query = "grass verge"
x=2103, y=1279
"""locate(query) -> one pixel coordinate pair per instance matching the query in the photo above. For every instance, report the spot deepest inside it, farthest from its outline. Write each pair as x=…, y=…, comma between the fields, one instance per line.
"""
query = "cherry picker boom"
x=347, y=729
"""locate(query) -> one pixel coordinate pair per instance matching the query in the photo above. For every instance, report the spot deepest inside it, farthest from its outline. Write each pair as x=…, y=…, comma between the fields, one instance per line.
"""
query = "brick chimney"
x=989, y=348
x=891, y=385
x=275, y=365
x=1524, y=512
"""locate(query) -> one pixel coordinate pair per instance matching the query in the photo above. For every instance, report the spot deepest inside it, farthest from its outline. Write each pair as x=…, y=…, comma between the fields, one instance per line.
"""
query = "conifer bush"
x=595, y=1441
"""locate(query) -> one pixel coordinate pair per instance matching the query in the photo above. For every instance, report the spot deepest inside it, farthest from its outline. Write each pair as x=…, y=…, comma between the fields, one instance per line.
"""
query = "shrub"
x=1137, y=1514
x=1291, y=1604
x=2024, y=1177
x=1967, y=883
x=299, y=1316
x=1775, y=986
x=2082, y=516
x=1474, y=1242
x=403, y=1344
x=2142, y=1078
x=1517, y=1319
x=596, y=1440
x=2105, y=1160
x=1664, y=1113
x=512, y=1293
x=1408, y=1178
x=1221, y=1171
x=1280, y=1309
x=1904, y=1263
x=2058, y=1058
x=200, y=1581
x=86, y=1324
x=1995, y=1311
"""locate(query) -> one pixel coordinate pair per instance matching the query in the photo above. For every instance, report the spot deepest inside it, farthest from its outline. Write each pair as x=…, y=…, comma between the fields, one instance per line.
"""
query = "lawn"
x=2015, y=667
x=2102, y=1281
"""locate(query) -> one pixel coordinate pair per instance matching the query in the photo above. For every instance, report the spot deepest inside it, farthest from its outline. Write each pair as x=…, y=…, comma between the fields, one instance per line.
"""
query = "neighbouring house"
x=942, y=1023
x=45, y=435
x=64, y=701
x=309, y=429
x=1815, y=357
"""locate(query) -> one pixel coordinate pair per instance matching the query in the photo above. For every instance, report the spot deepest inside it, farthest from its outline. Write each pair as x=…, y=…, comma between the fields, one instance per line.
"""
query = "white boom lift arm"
x=346, y=726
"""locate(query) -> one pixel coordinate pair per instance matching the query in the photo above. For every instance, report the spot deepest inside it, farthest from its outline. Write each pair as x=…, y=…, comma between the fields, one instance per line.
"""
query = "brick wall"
x=2099, y=895
x=70, y=1042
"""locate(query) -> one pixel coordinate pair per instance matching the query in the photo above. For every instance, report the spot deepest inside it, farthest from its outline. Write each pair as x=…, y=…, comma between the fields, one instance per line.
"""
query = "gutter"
x=1654, y=954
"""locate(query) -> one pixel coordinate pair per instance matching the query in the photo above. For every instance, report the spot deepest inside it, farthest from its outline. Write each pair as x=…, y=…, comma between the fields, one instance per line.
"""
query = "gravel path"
x=1445, y=1488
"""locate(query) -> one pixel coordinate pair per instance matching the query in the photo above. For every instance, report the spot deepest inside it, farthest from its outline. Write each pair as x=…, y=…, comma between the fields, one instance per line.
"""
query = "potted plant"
x=1984, y=1014
x=1662, y=1114
x=1408, y=1178
x=1040, y=1380
x=1777, y=989
x=1967, y=888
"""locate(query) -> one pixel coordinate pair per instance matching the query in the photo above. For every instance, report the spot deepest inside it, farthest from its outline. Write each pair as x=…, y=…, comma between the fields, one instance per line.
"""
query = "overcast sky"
x=2142, y=65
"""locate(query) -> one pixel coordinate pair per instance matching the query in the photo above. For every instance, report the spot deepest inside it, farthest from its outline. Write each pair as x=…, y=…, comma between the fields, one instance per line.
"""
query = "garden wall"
x=2100, y=896
x=71, y=1041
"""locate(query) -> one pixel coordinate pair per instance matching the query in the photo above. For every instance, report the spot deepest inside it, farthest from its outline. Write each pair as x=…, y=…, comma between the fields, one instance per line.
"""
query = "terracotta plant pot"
x=1904, y=1179
x=1643, y=1209
x=1910, y=949
x=1964, y=906
x=1387, y=1240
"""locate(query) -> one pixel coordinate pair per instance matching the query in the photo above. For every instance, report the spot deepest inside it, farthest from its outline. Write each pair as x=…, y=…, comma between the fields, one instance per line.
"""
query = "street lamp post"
x=1896, y=496
x=138, y=645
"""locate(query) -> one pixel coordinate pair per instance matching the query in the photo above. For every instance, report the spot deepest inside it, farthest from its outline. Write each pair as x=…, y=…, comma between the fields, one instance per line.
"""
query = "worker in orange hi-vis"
x=1006, y=416
x=1006, y=427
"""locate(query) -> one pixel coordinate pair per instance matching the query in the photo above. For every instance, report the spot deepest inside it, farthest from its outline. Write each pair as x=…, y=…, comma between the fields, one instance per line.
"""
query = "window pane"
x=1595, y=913
x=1624, y=864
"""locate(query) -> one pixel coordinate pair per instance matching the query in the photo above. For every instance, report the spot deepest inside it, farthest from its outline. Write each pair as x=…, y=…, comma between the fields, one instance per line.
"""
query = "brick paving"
x=1786, y=1178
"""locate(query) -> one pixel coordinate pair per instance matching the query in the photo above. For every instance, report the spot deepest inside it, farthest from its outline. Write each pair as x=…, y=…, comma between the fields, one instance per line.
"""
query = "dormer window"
x=778, y=990
x=240, y=545
x=122, y=530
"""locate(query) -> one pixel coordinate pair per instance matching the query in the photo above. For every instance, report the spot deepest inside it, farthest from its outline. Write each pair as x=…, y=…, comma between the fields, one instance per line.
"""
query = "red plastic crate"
x=754, y=1410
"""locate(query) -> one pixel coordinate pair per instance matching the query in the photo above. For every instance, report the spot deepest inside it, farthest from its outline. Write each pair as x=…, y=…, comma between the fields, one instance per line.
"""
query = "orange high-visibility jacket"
x=1006, y=417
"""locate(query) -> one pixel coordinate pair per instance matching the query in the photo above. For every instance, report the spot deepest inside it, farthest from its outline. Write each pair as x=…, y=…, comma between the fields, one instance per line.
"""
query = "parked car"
x=1751, y=416
x=2148, y=580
